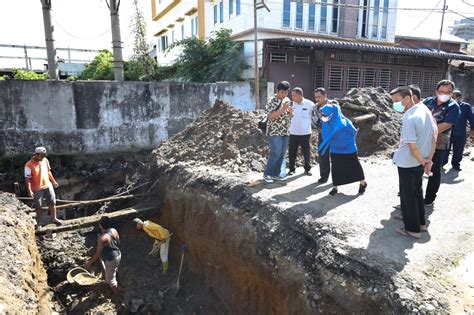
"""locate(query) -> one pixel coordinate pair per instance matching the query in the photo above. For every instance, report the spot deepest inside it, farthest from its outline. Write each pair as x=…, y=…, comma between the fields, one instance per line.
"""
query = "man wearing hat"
x=39, y=184
x=162, y=239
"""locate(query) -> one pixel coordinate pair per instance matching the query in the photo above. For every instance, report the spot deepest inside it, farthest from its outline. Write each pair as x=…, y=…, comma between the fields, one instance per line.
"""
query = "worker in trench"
x=40, y=184
x=108, y=250
x=162, y=239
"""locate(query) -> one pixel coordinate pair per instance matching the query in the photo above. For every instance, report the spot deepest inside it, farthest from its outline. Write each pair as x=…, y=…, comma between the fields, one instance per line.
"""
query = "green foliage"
x=3, y=77
x=218, y=59
x=101, y=68
x=72, y=78
x=19, y=74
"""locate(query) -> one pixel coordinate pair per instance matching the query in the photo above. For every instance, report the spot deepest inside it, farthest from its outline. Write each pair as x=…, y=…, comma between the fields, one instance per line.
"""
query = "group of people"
x=292, y=120
x=430, y=129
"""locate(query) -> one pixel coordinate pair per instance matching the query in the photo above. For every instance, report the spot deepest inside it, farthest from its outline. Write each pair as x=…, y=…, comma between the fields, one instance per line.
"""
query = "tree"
x=142, y=65
x=19, y=74
x=101, y=68
x=218, y=59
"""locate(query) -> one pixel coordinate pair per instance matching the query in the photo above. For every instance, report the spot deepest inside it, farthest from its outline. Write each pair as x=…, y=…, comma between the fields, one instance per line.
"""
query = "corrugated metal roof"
x=325, y=43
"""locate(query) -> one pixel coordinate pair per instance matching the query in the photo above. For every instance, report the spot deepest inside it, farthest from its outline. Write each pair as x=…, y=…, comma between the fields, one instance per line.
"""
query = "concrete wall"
x=104, y=116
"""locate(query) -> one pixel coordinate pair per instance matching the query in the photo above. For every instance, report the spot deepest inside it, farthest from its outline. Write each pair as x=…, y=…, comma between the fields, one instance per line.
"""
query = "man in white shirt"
x=300, y=130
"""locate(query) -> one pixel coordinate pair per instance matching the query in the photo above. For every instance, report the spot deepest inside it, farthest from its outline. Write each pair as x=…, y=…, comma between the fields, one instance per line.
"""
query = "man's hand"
x=30, y=193
x=55, y=185
x=427, y=164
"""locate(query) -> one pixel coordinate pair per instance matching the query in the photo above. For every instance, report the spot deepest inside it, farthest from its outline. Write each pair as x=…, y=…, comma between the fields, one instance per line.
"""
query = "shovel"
x=175, y=287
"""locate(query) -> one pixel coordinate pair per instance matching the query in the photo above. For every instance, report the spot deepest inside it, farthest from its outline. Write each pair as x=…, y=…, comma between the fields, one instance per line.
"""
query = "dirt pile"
x=23, y=287
x=370, y=109
x=221, y=136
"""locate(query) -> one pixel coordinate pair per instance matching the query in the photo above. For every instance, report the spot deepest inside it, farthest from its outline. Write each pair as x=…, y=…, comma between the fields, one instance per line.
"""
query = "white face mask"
x=443, y=97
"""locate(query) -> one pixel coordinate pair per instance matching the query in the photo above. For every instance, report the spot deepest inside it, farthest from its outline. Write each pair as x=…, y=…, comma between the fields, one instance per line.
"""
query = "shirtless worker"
x=39, y=184
x=162, y=239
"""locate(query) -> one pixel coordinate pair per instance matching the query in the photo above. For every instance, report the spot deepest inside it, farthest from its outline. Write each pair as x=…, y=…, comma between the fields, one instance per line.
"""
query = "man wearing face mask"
x=458, y=134
x=446, y=113
x=413, y=157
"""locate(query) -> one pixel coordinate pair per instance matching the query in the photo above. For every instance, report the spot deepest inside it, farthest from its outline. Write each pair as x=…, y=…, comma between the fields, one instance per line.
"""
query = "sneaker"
x=322, y=180
x=308, y=173
x=280, y=178
x=268, y=178
x=291, y=173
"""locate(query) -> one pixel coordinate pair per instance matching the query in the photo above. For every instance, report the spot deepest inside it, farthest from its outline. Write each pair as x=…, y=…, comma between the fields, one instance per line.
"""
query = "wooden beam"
x=84, y=222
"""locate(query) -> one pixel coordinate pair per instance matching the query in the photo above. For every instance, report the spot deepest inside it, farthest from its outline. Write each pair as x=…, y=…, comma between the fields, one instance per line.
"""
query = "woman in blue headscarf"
x=339, y=136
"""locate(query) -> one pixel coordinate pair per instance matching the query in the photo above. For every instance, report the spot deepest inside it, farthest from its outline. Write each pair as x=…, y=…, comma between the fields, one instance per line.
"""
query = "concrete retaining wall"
x=104, y=116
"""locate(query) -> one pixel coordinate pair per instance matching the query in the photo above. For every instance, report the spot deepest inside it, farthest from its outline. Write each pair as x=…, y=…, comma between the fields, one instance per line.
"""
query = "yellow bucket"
x=81, y=276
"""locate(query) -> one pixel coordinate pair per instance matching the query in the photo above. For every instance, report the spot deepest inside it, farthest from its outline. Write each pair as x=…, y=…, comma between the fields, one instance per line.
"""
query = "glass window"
x=324, y=16
x=299, y=14
x=172, y=36
x=192, y=27
x=365, y=18
x=231, y=7
x=311, y=16
x=335, y=17
x=286, y=13
x=196, y=25
x=221, y=11
x=237, y=7
x=385, y=19
x=182, y=31
x=215, y=13
x=375, y=22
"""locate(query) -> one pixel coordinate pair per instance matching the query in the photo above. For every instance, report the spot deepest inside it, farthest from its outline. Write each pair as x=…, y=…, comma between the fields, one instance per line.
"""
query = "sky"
x=86, y=24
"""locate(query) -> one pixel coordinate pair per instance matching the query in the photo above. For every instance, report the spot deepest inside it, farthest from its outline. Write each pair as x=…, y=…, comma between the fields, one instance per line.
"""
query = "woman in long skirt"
x=339, y=136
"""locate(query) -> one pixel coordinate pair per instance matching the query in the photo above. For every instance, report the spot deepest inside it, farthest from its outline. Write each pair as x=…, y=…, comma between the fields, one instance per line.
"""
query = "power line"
x=77, y=37
x=426, y=17
x=467, y=18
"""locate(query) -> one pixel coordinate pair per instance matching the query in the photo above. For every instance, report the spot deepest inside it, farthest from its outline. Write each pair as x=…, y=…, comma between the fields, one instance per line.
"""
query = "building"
x=463, y=28
x=449, y=42
x=338, y=44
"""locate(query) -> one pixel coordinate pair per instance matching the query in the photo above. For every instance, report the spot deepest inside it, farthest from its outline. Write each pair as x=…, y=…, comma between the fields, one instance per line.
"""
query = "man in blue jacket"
x=458, y=134
x=446, y=112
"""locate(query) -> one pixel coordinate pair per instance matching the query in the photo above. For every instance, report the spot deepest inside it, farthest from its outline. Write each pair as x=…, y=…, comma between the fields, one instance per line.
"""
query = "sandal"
x=333, y=191
x=362, y=188
x=404, y=232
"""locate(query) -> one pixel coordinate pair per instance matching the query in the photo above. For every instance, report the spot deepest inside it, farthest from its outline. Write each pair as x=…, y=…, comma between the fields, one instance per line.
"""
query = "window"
x=311, y=16
x=192, y=27
x=164, y=42
x=231, y=7
x=369, y=77
x=182, y=31
x=196, y=26
x=385, y=78
x=172, y=36
x=237, y=7
x=318, y=76
x=335, y=78
x=324, y=16
x=215, y=13
x=286, y=13
x=278, y=57
x=426, y=84
x=221, y=11
x=300, y=59
x=299, y=14
x=375, y=22
x=365, y=18
x=335, y=17
x=402, y=78
x=353, y=77
x=415, y=78
x=385, y=19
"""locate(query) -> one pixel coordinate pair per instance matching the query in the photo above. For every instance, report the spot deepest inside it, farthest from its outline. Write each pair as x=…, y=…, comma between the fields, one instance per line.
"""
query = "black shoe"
x=457, y=168
x=362, y=189
x=308, y=173
x=398, y=194
x=291, y=173
x=333, y=191
x=428, y=203
x=322, y=180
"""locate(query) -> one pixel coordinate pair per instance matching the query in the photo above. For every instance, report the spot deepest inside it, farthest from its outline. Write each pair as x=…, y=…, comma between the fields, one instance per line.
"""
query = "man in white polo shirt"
x=300, y=130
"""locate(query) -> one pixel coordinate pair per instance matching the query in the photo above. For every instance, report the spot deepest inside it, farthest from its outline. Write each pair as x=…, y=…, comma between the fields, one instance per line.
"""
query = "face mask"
x=398, y=106
x=443, y=97
x=326, y=119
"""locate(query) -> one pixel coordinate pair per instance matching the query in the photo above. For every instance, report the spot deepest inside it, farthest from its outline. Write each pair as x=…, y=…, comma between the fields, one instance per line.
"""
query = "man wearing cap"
x=162, y=239
x=39, y=184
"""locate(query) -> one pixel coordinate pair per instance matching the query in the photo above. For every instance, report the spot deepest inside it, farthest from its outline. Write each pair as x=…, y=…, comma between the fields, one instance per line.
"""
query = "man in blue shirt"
x=458, y=134
x=446, y=113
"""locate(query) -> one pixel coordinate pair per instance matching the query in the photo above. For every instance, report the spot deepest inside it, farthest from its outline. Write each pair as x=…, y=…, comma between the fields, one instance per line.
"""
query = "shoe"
x=166, y=265
x=457, y=168
x=268, y=178
x=308, y=173
x=362, y=189
x=333, y=191
x=322, y=180
x=280, y=178
x=398, y=194
x=291, y=173
x=428, y=203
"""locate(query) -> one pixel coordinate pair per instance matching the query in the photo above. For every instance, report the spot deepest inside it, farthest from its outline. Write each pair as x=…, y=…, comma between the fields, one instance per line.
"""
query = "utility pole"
x=255, y=35
x=48, y=32
x=26, y=58
x=441, y=28
x=116, y=40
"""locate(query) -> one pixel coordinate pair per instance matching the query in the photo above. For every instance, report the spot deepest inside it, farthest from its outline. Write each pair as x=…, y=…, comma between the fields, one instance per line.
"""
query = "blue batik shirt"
x=445, y=113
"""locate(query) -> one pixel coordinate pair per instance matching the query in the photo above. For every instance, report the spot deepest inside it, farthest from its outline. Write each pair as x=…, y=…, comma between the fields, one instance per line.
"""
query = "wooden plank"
x=80, y=223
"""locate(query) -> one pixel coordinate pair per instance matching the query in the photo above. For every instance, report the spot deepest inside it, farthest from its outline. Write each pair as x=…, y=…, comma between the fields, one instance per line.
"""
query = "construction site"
x=251, y=247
